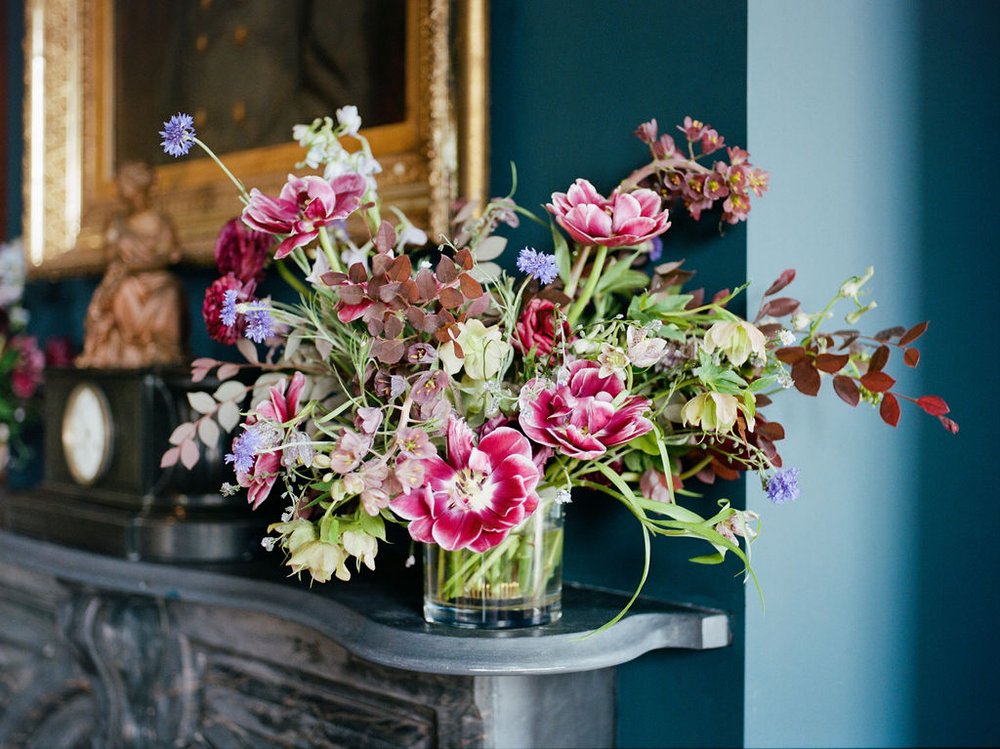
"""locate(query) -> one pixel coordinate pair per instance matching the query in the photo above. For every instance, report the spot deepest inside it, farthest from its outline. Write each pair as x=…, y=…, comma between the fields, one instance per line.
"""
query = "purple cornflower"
x=178, y=135
x=228, y=312
x=244, y=452
x=656, y=252
x=538, y=264
x=783, y=486
x=260, y=324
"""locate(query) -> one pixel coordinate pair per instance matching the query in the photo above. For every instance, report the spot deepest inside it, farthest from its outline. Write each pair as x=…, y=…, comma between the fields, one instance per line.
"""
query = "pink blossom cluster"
x=681, y=177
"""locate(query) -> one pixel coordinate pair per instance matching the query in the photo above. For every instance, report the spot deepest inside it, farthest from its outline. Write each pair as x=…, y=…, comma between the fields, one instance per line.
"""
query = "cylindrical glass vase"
x=518, y=583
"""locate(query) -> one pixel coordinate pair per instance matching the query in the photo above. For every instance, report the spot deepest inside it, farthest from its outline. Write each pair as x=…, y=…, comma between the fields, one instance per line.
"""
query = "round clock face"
x=87, y=433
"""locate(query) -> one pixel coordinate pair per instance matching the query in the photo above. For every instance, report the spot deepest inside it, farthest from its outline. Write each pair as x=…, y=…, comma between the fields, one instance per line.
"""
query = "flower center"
x=469, y=491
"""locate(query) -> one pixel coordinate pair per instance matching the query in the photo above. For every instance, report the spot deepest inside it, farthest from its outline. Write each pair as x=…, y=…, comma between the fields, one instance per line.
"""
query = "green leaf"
x=373, y=525
x=716, y=558
x=561, y=250
x=329, y=529
x=647, y=443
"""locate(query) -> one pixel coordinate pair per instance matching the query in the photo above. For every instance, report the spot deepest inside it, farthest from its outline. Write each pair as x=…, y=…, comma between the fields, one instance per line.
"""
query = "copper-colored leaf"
x=426, y=284
x=357, y=273
x=375, y=325
x=847, y=390
x=806, y=378
x=408, y=291
x=400, y=269
x=451, y=298
x=446, y=270
x=720, y=295
x=831, y=363
x=779, y=307
x=470, y=286
x=380, y=264
x=385, y=237
x=913, y=333
x=933, y=405
x=879, y=359
x=889, y=409
x=387, y=292
x=770, y=430
x=911, y=357
x=464, y=258
x=331, y=278
x=393, y=326
x=770, y=330
x=416, y=317
x=431, y=323
x=351, y=294
x=786, y=277
x=791, y=354
x=388, y=352
x=889, y=333
x=478, y=307
x=877, y=382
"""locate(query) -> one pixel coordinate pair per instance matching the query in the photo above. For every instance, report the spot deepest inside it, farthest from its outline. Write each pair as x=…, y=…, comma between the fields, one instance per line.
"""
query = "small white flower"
x=349, y=119
x=268, y=543
x=801, y=321
x=786, y=337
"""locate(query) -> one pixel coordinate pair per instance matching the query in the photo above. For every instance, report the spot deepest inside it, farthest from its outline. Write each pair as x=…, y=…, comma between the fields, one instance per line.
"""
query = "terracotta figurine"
x=138, y=314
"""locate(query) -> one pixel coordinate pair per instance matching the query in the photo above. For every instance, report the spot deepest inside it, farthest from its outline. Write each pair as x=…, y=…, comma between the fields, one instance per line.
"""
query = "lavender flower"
x=260, y=324
x=656, y=251
x=178, y=135
x=228, y=312
x=245, y=449
x=783, y=486
x=538, y=264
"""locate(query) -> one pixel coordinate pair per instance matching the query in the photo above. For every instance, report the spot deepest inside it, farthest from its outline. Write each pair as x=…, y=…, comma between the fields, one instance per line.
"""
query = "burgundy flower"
x=242, y=251
x=585, y=416
x=27, y=374
x=211, y=308
x=256, y=452
x=624, y=219
x=59, y=351
x=304, y=205
x=536, y=327
x=474, y=498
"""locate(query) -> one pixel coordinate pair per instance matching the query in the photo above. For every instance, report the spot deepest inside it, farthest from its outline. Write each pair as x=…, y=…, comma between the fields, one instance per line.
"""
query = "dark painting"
x=246, y=70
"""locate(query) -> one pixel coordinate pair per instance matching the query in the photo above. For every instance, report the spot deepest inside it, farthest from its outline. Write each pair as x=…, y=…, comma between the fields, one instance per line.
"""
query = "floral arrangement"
x=21, y=361
x=427, y=387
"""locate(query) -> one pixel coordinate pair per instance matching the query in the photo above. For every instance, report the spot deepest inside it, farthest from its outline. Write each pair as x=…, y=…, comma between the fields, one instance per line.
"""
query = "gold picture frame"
x=437, y=154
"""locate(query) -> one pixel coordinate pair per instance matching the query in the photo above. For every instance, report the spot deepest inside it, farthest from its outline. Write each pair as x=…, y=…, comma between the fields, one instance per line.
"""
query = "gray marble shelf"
x=384, y=625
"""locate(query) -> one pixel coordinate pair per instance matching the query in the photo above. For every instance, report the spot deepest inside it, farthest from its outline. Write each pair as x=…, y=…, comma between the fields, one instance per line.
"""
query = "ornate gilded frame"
x=69, y=191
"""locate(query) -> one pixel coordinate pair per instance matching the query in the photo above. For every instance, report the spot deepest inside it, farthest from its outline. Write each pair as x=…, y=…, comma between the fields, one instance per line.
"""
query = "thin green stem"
x=588, y=291
x=244, y=195
x=331, y=253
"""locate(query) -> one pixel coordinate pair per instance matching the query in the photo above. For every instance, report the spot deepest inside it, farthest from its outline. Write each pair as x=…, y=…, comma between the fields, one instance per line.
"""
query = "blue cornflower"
x=783, y=486
x=260, y=324
x=538, y=264
x=244, y=452
x=656, y=251
x=228, y=312
x=178, y=135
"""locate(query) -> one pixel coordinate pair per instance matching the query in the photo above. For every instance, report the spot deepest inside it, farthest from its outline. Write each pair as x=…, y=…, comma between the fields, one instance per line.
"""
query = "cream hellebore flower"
x=486, y=353
x=308, y=553
x=737, y=340
x=362, y=546
x=713, y=412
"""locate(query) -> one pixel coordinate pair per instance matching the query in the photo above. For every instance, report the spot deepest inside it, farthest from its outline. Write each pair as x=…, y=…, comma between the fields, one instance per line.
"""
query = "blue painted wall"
x=880, y=582
x=570, y=82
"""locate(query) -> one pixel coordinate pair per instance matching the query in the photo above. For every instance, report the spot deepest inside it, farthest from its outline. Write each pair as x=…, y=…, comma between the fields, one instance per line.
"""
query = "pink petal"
x=502, y=442
x=459, y=440
x=456, y=530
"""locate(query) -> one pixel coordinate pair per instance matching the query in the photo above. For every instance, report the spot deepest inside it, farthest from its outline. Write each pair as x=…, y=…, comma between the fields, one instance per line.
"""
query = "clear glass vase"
x=518, y=583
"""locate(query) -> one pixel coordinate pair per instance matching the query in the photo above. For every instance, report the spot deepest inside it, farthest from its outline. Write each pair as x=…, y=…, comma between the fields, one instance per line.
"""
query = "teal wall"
x=954, y=572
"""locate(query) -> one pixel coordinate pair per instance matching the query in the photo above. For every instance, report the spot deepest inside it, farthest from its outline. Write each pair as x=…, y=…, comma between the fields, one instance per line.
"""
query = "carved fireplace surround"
x=97, y=651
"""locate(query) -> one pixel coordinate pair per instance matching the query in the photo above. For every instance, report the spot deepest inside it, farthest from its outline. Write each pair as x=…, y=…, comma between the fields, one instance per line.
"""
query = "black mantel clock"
x=103, y=487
